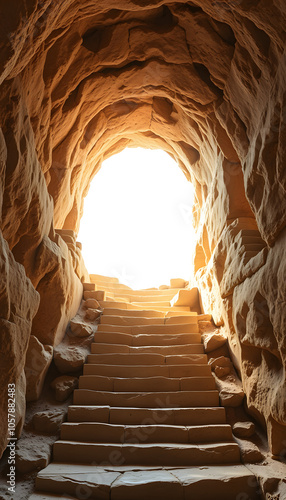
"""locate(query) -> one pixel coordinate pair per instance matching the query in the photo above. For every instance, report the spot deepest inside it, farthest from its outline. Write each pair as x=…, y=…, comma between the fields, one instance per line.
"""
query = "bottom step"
x=121, y=483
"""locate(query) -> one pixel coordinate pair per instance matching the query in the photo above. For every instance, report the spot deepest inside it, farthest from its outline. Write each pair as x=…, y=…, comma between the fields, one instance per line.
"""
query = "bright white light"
x=137, y=221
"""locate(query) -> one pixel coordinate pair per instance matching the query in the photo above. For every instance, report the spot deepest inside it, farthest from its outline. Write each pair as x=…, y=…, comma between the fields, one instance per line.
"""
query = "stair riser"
x=147, y=416
x=146, y=359
x=112, y=311
x=147, y=313
x=149, y=329
x=144, y=385
x=135, y=321
x=118, y=455
x=98, y=433
x=180, y=371
x=97, y=348
x=143, y=340
x=147, y=400
x=144, y=305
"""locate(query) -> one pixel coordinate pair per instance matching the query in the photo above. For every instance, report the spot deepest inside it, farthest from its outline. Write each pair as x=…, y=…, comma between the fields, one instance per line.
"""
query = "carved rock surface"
x=38, y=360
x=203, y=81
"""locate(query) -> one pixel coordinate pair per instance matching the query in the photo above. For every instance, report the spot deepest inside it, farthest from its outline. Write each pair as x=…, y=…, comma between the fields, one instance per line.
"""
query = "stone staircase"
x=146, y=421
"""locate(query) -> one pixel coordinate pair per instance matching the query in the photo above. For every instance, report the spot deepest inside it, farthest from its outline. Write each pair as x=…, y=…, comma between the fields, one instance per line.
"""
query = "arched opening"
x=137, y=221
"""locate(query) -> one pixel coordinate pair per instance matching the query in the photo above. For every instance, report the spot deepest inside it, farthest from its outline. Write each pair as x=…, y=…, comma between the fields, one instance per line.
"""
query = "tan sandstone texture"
x=202, y=80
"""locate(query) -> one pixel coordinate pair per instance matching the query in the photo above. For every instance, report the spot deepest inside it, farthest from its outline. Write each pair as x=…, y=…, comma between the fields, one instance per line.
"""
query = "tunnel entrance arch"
x=137, y=219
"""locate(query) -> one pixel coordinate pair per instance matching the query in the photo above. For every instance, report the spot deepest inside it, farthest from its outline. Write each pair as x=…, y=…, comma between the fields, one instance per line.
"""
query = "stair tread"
x=137, y=329
x=155, y=483
x=104, y=348
x=144, y=339
x=124, y=358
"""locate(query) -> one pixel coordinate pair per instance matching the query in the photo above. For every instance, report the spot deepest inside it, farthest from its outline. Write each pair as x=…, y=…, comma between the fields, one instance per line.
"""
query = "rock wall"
x=203, y=80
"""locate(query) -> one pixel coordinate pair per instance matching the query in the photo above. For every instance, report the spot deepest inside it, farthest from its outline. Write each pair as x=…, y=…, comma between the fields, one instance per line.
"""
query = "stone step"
x=150, y=384
x=172, y=371
x=211, y=482
x=146, y=313
x=137, y=306
x=169, y=292
x=139, y=329
x=154, y=304
x=134, y=321
x=146, y=359
x=159, y=296
x=180, y=399
x=147, y=454
x=114, y=433
x=97, y=348
x=147, y=339
x=144, y=416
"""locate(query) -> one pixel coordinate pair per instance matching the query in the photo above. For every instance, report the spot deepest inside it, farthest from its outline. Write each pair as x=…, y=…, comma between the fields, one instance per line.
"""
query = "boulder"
x=92, y=314
x=69, y=358
x=79, y=328
x=91, y=304
x=243, y=429
x=48, y=422
x=32, y=455
x=189, y=298
x=250, y=453
x=64, y=386
x=213, y=340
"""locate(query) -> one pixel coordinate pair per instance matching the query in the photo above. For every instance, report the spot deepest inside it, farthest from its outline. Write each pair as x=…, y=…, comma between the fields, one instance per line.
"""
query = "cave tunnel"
x=204, y=81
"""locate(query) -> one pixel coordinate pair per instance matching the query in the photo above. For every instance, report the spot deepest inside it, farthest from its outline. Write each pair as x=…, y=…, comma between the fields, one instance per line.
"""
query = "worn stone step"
x=158, y=339
x=180, y=399
x=150, y=291
x=125, y=434
x=143, y=416
x=141, y=297
x=97, y=348
x=140, y=329
x=168, y=292
x=137, y=306
x=146, y=313
x=150, y=384
x=160, y=304
x=136, y=321
x=173, y=371
x=120, y=482
x=147, y=454
x=146, y=359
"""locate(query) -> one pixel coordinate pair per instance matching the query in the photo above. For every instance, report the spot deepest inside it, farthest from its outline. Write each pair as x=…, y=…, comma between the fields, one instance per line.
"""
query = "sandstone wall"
x=203, y=80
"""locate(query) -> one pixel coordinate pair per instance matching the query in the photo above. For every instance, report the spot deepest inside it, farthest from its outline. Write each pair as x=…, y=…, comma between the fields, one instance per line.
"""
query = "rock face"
x=38, y=360
x=204, y=81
